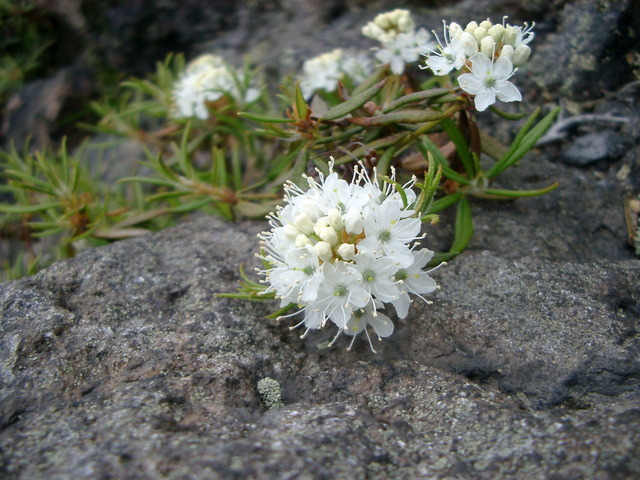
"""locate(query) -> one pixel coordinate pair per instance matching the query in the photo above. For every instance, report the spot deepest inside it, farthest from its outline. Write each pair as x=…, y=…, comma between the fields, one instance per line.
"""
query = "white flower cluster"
x=206, y=79
x=342, y=250
x=324, y=71
x=401, y=43
x=490, y=53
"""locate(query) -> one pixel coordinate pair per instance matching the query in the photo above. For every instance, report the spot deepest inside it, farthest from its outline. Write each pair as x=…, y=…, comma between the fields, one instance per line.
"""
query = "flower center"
x=308, y=270
x=489, y=81
x=340, y=290
x=384, y=236
x=369, y=276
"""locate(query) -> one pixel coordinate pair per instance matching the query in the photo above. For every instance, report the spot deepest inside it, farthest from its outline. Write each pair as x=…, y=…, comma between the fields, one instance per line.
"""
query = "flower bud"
x=404, y=21
x=487, y=46
x=486, y=24
x=290, y=231
x=323, y=251
x=347, y=251
x=335, y=219
x=302, y=240
x=455, y=31
x=373, y=31
x=510, y=35
x=329, y=235
x=520, y=55
x=353, y=222
x=497, y=31
x=304, y=223
x=469, y=44
x=479, y=33
x=471, y=26
x=507, y=51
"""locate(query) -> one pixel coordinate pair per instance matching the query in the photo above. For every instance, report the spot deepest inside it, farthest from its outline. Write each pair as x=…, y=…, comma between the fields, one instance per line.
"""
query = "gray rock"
x=594, y=148
x=122, y=362
x=584, y=56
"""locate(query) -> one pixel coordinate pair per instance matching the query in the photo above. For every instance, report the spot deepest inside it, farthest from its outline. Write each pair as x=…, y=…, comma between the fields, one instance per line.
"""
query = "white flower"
x=450, y=55
x=489, y=80
x=206, y=79
x=369, y=316
x=377, y=275
x=321, y=72
x=389, y=233
x=516, y=35
x=341, y=250
x=404, y=48
x=413, y=279
x=356, y=65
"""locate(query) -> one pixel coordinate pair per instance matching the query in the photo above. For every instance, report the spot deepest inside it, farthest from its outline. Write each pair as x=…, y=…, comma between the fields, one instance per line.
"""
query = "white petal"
x=484, y=99
x=401, y=304
x=470, y=83
x=502, y=68
x=381, y=324
x=481, y=64
x=439, y=65
x=509, y=93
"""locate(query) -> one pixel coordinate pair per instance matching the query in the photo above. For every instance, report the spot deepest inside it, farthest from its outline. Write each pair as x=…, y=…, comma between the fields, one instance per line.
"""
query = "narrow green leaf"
x=496, y=192
x=155, y=181
x=414, y=98
x=375, y=77
x=354, y=102
x=507, y=115
x=463, y=227
x=402, y=116
x=426, y=146
x=444, y=202
x=461, y=145
x=257, y=117
x=524, y=129
x=301, y=104
x=28, y=208
x=190, y=206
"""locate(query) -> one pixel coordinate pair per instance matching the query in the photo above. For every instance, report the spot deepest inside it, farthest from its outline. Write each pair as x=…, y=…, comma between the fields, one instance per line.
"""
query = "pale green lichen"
x=270, y=393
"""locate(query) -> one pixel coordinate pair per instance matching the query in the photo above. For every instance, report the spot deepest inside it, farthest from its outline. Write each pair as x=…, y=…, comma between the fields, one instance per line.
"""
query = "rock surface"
x=122, y=360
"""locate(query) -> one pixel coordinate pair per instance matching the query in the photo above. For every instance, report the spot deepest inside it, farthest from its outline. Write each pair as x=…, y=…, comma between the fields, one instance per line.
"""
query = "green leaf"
x=414, y=98
x=354, y=102
x=444, y=202
x=463, y=227
x=402, y=116
x=154, y=181
x=427, y=146
x=523, y=144
x=461, y=146
x=506, y=115
x=498, y=193
x=190, y=206
x=257, y=117
x=28, y=208
x=301, y=104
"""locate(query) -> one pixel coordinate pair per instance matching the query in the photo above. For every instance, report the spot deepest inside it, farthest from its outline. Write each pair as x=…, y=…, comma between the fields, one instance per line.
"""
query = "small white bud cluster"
x=342, y=250
x=205, y=80
x=388, y=25
x=401, y=42
x=324, y=71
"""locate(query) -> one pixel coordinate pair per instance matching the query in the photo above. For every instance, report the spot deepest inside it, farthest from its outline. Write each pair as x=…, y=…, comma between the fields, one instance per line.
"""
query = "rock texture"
x=122, y=363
